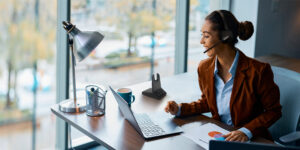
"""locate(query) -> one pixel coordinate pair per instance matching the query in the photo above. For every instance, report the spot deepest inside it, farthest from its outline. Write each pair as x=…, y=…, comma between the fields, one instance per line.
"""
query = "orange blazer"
x=254, y=102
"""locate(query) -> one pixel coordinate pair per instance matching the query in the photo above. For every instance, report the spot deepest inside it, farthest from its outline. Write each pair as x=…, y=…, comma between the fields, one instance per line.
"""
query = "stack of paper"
x=203, y=134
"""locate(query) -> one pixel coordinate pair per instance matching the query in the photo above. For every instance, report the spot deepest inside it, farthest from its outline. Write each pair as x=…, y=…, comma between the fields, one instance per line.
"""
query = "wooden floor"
x=281, y=61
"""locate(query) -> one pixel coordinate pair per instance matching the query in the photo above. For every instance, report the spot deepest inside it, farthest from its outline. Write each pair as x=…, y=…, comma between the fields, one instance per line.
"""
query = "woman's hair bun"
x=246, y=30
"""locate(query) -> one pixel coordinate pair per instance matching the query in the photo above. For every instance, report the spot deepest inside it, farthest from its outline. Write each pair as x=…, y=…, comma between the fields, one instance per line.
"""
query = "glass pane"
x=27, y=39
x=134, y=30
x=198, y=11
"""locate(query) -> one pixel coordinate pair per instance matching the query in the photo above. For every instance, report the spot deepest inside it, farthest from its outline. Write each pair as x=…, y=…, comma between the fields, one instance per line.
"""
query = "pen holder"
x=95, y=100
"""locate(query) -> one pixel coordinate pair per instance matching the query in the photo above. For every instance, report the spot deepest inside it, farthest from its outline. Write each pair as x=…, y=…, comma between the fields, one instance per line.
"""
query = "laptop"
x=148, y=126
x=217, y=145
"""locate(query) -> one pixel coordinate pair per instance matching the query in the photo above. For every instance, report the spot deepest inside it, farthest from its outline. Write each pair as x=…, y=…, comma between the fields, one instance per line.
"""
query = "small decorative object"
x=156, y=91
x=95, y=100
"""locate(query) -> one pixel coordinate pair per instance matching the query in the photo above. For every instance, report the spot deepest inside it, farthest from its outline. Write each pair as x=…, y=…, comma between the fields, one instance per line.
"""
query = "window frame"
x=62, y=70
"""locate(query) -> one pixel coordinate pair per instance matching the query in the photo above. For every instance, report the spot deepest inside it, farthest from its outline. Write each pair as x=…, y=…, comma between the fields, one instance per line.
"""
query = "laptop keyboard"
x=148, y=128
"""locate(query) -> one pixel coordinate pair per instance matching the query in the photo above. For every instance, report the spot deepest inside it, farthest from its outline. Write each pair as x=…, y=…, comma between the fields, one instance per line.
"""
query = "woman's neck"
x=226, y=56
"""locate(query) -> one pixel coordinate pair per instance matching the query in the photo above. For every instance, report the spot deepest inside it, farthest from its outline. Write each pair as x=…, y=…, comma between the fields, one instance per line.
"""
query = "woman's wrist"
x=247, y=132
x=179, y=110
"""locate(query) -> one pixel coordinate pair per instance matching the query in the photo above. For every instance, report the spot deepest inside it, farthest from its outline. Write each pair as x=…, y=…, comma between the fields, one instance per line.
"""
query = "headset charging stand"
x=156, y=91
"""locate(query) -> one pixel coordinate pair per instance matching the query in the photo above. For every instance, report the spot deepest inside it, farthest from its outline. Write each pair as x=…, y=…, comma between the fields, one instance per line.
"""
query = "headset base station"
x=156, y=91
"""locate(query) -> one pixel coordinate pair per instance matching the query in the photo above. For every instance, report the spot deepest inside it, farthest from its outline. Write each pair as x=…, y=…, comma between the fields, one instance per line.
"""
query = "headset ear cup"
x=226, y=36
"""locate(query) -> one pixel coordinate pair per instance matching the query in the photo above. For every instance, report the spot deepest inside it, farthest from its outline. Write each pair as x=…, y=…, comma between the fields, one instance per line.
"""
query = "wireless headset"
x=225, y=35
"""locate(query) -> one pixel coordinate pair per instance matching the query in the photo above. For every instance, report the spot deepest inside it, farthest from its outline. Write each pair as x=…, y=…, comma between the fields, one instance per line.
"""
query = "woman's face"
x=209, y=38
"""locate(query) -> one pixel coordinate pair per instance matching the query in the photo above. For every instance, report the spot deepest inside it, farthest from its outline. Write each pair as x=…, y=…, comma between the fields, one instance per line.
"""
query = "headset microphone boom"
x=224, y=39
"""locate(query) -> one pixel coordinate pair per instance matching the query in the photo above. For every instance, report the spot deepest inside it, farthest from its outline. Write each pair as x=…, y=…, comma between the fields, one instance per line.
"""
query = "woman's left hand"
x=236, y=135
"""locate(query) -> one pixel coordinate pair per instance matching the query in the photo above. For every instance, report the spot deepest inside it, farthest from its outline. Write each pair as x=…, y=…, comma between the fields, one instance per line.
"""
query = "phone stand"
x=156, y=91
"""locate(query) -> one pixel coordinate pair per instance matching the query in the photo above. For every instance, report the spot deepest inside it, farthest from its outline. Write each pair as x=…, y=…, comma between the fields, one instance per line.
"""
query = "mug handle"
x=133, y=98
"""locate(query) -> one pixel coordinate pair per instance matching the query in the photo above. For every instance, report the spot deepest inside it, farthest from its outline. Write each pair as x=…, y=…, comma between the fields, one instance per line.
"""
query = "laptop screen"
x=125, y=109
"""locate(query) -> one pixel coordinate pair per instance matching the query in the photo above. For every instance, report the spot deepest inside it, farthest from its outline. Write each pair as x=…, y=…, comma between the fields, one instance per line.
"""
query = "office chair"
x=289, y=84
x=291, y=138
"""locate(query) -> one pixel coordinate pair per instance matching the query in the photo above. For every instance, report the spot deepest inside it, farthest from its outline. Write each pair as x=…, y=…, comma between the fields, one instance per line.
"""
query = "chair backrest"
x=298, y=124
x=289, y=86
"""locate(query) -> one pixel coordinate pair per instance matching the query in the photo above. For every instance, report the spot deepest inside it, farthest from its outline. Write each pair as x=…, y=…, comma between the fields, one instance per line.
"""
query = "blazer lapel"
x=239, y=79
x=211, y=89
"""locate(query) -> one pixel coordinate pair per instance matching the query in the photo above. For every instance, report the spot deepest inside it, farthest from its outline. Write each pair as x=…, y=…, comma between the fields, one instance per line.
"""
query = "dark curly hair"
x=243, y=30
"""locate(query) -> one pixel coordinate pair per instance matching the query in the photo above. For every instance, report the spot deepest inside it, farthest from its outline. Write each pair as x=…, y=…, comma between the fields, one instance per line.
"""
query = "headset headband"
x=223, y=19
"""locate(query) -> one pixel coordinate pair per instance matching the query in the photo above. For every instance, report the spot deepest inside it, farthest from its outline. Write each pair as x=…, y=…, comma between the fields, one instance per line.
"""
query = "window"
x=199, y=9
x=124, y=56
x=135, y=33
x=27, y=40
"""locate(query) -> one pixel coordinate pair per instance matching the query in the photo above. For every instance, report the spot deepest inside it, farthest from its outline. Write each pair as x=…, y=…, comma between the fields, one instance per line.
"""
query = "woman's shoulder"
x=258, y=66
x=204, y=67
x=205, y=63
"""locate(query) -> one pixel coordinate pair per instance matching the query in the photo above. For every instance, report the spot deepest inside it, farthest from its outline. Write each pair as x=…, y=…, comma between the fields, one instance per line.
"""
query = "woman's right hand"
x=172, y=107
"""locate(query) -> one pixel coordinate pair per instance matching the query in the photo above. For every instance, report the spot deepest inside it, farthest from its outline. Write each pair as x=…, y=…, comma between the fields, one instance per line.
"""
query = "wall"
x=278, y=30
x=246, y=10
x=219, y=4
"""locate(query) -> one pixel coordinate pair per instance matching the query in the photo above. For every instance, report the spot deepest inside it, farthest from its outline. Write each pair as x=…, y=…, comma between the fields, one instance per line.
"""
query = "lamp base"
x=69, y=106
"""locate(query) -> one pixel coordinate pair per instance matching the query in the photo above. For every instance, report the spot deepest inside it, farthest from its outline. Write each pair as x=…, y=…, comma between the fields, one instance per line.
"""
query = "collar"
x=233, y=67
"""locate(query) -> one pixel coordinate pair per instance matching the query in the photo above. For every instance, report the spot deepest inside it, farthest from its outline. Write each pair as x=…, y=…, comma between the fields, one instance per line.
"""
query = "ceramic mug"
x=127, y=95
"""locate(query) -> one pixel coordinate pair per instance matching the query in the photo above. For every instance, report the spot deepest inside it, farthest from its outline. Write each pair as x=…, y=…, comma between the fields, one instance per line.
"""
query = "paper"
x=203, y=134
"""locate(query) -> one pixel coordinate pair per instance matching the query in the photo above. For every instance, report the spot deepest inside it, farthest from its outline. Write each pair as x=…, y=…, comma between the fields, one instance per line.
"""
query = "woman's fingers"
x=244, y=139
x=239, y=139
x=233, y=137
x=236, y=136
x=167, y=108
x=171, y=107
x=227, y=135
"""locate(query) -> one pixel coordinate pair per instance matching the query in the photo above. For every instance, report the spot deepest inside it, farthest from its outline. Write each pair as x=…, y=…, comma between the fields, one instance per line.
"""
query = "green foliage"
x=138, y=17
x=112, y=35
x=113, y=55
x=13, y=115
x=28, y=39
x=120, y=54
x=120, y=58
x=27, y=35
x=115, y=63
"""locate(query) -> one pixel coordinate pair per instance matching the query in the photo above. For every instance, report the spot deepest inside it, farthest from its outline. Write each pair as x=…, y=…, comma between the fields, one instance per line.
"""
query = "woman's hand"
x=172, y=107
x=236, y=135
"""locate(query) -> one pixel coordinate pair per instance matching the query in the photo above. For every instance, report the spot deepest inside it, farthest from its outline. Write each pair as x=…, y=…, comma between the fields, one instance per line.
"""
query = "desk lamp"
x=85, y=43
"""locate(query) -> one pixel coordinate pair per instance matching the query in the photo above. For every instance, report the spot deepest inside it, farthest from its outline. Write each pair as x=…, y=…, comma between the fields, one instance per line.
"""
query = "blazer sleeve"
x=268, y=93
x=199, y=106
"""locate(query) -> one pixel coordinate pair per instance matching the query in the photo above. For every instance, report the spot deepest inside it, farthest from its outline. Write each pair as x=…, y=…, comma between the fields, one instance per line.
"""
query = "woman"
x=236, y=89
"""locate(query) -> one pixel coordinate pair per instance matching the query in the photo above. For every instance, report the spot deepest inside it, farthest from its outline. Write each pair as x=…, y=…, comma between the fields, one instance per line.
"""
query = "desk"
x=113, y=132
